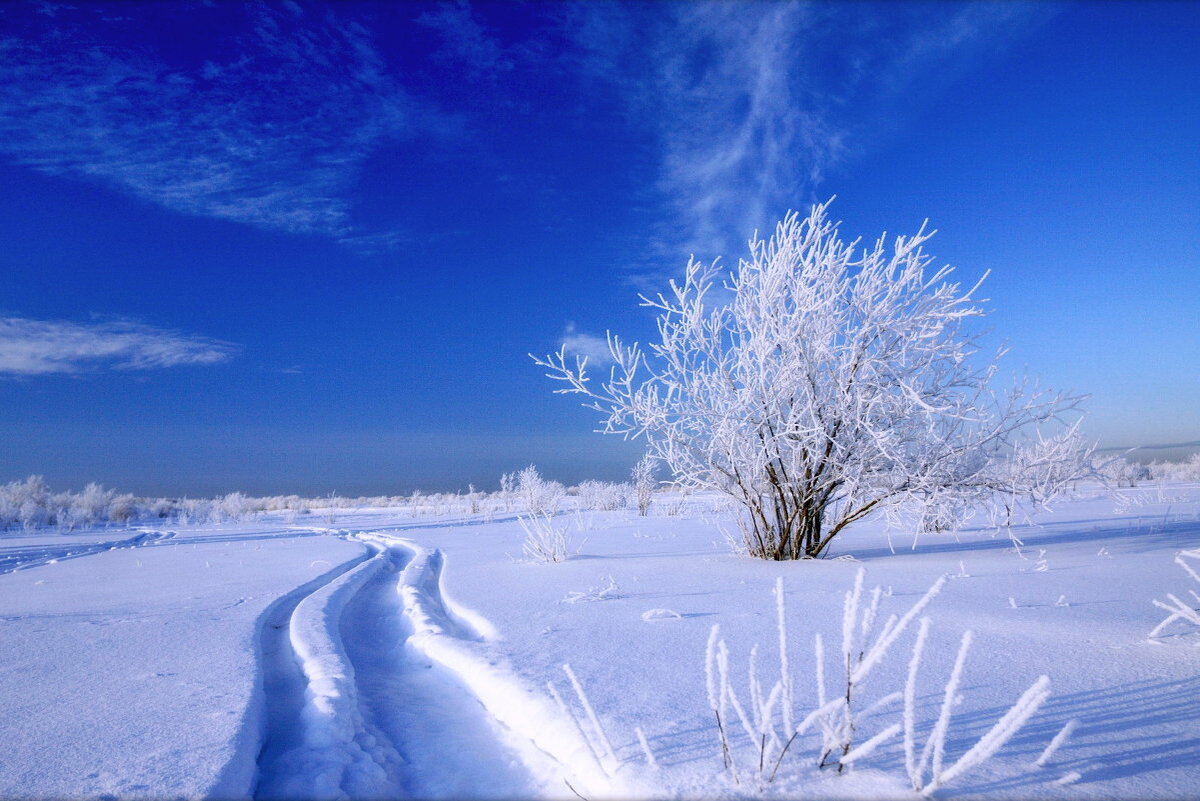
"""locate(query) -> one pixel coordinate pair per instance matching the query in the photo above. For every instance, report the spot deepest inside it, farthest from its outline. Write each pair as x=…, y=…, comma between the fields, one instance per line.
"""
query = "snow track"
x=383, y=687
x=27, y=556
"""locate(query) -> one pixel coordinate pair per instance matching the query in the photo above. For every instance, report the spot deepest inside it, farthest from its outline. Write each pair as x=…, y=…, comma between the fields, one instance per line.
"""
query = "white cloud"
x=273, y=133
x=41, y=347
x=465, y=40
x=594, y=348
x=753, y=104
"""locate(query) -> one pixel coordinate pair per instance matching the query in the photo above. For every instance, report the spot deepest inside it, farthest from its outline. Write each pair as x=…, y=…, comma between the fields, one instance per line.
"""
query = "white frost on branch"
x=815, y=384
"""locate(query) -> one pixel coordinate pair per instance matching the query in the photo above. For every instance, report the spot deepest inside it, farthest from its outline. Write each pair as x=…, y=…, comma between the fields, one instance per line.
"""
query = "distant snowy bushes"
x=1176, y=471
x=1121, y=472
x=30, y=504
x=603, y=496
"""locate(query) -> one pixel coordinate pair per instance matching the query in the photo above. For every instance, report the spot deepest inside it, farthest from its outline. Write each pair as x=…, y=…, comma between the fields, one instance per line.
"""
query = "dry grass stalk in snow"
x=766, y=717
x=1179, y=609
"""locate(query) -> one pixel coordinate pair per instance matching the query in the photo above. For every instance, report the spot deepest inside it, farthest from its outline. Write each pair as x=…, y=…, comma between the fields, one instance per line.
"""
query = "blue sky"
x=306, y=248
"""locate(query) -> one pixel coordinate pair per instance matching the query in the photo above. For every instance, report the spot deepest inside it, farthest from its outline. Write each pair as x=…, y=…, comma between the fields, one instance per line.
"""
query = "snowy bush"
x=822, y=386
x=602, y=496
x=541, y=497
x=1120, y=472
x=545, y=540
x=234, y=506
x=90, y=506
x=1188, y=470
x=1039, y=471
x=643, y=482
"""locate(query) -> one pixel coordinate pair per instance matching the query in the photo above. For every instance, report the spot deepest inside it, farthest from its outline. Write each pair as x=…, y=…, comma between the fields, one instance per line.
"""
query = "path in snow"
x=23, y=557
x=355, y=712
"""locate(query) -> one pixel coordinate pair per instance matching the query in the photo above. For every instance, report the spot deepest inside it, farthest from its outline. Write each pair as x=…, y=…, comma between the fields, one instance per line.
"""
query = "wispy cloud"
x=272, y=130
x=594, y=348
x=466, y=41
x=754, y=103
x=41, y=347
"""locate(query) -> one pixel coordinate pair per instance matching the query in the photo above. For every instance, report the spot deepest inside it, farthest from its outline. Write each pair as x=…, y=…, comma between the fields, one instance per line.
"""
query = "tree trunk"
x=810, y=529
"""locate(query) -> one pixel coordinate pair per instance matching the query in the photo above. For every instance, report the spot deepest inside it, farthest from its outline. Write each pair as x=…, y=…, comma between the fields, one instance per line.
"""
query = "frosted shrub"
x=1120, y=472
x=1041, y=470
x=541, y=497
x=1188, y=470
x=602, y=496
x=123, y=508
x=234, y=506
x=10, y=511
x=643, y=482
x=545, y=541
x=508, y=490
x=823, y=384
x=91, y=506
x=27, y=503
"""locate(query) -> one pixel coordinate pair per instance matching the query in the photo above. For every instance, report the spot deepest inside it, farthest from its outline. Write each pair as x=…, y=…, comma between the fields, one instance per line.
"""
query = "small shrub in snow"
x=508, y=489
x=602, y=496
x=643, y=484
x=545, y=540
x=541, y=497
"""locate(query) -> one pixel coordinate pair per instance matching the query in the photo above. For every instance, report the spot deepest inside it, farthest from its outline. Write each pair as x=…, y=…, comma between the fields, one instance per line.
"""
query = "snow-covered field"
x=369, y=654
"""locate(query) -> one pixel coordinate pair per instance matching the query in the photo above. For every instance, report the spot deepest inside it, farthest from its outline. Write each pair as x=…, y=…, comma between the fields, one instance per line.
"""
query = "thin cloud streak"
x=45, y=347
x=274, y=135
x=753, y=104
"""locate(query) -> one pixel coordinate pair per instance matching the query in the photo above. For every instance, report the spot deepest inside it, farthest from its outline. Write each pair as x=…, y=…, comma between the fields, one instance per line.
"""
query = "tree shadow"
x=1120, y=735
x=1170, y=535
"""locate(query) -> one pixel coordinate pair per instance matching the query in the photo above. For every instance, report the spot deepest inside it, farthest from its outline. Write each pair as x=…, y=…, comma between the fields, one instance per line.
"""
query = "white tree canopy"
x=828, y=382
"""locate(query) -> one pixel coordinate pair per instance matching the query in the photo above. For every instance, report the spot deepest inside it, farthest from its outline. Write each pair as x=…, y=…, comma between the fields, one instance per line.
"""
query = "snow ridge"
x=453, y=638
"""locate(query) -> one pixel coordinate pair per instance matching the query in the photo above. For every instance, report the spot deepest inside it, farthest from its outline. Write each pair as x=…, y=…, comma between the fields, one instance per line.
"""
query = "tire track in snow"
x=454, y=642
x=450, y=745
x=29, y=556
x=391, y=697
x=318, y=744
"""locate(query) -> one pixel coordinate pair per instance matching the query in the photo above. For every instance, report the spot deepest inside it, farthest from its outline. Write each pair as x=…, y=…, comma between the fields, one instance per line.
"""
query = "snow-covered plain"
x=379, y=653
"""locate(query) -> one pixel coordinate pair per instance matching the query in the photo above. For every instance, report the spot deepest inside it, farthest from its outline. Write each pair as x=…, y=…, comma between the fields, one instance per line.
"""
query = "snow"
x=134, y=671
x=397, y=655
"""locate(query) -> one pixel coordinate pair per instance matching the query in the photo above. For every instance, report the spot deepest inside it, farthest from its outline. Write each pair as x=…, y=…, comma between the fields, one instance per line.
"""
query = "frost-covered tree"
x=826, y=382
